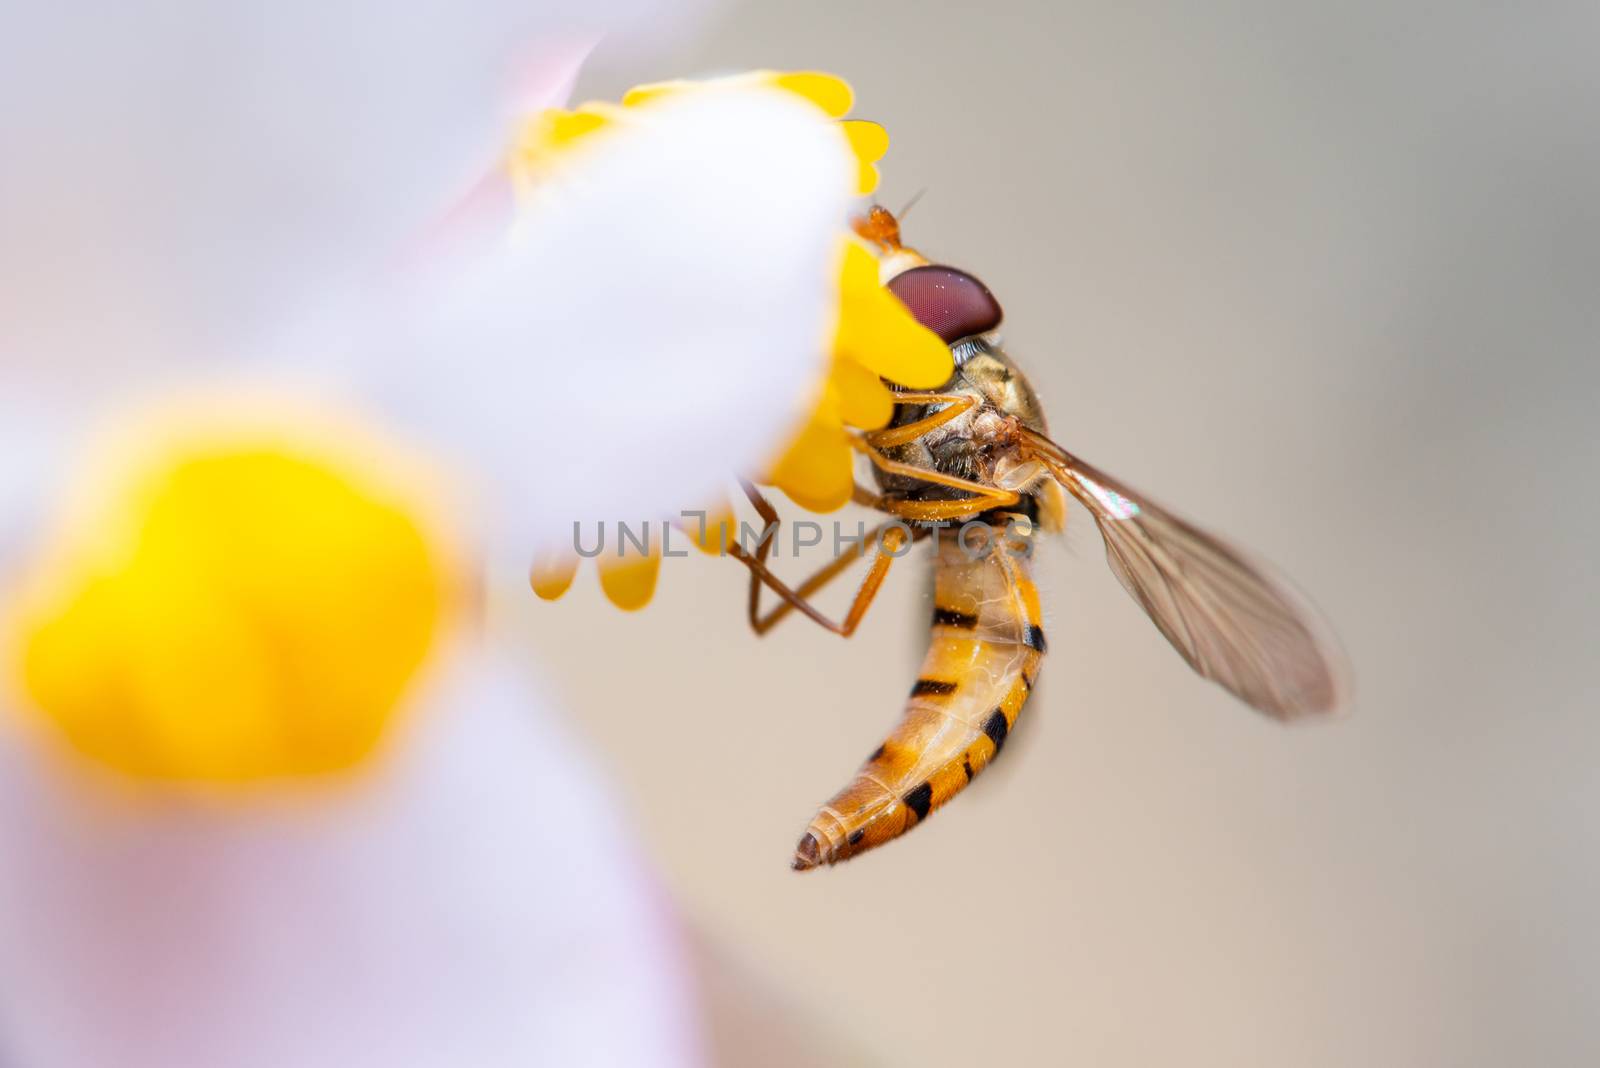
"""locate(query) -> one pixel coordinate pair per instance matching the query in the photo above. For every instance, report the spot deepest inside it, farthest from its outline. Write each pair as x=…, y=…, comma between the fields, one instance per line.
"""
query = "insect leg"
x=890, y=538
x=959, y=403
x=793, y=599
x=769, y=516
x=984, y=497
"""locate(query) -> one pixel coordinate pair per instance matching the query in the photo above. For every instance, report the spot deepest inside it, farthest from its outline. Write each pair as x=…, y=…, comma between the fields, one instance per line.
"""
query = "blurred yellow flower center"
x=239, y=608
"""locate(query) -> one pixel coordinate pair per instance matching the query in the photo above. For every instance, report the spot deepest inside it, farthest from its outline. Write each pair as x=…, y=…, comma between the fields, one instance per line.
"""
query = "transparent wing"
x=1228, y=617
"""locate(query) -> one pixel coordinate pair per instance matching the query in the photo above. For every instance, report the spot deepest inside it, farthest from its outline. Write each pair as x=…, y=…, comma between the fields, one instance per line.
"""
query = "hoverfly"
x=978, y=450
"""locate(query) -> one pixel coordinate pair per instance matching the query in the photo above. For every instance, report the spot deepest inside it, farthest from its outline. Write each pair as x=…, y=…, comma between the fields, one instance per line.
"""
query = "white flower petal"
x=181, y=177
x=33, y=461
x=656, y=325
x=478, y=905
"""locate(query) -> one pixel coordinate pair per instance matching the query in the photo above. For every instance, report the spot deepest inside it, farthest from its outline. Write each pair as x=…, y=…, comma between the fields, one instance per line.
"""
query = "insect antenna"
x=903, y=212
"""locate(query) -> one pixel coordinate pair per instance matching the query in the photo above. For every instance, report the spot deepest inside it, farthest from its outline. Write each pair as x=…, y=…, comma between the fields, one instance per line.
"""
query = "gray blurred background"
x=1325, y=278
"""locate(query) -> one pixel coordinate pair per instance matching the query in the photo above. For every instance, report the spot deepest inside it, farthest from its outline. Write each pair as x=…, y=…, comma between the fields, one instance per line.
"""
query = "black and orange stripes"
x=986, y=649
x=950, y=617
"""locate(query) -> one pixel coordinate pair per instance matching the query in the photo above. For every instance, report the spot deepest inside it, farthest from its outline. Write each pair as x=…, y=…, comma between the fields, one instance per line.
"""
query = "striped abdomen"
x=986, y=651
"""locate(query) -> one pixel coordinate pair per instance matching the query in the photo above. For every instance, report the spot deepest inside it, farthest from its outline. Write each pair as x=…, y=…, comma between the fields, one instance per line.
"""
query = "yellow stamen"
x=551, y=574
x=630, y=582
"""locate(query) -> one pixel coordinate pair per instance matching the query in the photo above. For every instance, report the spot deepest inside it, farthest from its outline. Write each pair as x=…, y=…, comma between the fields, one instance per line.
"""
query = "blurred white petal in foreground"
x=476, y=902
x=188, y=185
x=182, y=177
x=658, y=321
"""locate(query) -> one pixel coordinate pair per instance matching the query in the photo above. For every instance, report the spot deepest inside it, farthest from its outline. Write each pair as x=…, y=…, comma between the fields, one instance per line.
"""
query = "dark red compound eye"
x=951, y=303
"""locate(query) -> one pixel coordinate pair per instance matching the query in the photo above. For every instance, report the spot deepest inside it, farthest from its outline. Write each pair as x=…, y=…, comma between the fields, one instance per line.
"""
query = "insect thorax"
x=971, y=445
